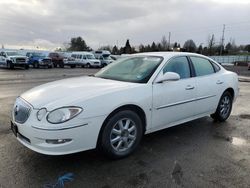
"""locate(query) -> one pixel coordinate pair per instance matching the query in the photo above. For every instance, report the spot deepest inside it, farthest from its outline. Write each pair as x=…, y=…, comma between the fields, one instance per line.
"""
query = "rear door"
x=209, y=84
x=174, y=101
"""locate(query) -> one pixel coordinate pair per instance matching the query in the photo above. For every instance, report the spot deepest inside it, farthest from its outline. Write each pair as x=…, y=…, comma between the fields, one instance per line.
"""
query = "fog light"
x=57, y=141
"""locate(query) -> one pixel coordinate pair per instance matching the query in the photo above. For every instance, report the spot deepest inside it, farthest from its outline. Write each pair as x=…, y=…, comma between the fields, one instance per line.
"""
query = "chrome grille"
x=20, y=60
x=21, y=111
x=47, y=61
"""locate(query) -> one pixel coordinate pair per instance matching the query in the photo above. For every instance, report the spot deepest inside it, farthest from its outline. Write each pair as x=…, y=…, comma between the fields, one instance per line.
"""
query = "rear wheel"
x=88, y=65
x=61, y=65
x=224, y=107
x=121, y=135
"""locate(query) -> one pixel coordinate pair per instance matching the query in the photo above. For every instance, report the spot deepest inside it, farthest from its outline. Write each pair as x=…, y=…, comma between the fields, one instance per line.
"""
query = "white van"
x=83, y=59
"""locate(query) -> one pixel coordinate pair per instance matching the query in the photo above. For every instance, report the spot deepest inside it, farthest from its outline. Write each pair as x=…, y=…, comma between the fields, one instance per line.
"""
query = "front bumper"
x=79, y=138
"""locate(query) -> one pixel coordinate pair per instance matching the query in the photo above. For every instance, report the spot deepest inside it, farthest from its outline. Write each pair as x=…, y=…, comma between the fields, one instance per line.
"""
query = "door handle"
x=219, y=82
x=189, y=87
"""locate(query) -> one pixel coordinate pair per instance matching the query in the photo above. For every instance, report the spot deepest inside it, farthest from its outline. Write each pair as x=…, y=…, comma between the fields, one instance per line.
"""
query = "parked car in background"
x=99, y=53
x=12, y=59
x=57, y=59
x=66, y=56
x=248, y=65
x=37, y=59
x=103, y=56
x=105, y=60
x=114, y=108
x=83, y=59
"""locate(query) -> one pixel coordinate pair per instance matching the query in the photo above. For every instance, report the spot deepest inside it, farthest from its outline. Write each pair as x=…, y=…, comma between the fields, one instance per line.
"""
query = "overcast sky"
x=50, y=23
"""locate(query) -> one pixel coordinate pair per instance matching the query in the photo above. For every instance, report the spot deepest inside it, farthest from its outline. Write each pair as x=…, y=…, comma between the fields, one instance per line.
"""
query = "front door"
x=174, y=101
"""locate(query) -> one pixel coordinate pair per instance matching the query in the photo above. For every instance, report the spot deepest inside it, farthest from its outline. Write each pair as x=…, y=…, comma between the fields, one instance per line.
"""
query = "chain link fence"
x=231, y=59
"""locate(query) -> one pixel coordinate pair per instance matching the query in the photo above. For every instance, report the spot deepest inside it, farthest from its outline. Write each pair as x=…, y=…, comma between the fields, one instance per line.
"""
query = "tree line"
x=211, y=48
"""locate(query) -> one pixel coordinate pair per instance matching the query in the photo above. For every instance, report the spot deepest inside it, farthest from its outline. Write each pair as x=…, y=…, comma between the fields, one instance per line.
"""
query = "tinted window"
x=178, y=65
x=202, y=66
x=216, y=67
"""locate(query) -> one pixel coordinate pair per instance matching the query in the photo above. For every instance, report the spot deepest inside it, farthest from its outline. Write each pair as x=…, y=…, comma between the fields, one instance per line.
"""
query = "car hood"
x=18, y=56
x=68, y=91
x=94, y=60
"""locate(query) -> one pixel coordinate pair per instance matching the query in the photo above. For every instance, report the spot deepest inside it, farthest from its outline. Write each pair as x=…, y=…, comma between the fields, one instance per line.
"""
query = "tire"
x=224, y=107
x=10, y=65
x=26, y=67
x=36, y=65
x=104, y=65
x=121, y=134
x=88, y=65
x=73, y=66
x=61, y=65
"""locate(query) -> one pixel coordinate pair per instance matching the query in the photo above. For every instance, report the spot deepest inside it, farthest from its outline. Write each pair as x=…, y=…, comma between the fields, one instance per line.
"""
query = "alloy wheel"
x=123, y=135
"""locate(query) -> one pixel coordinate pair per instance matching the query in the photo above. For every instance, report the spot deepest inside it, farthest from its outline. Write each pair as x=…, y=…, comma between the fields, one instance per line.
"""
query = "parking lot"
x=201, y=153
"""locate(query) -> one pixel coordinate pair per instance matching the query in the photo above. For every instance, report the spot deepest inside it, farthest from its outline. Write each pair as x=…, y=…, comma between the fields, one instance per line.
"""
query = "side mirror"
x=168, y=76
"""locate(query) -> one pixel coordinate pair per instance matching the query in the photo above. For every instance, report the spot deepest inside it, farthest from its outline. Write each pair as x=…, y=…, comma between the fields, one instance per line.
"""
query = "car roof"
x=86, y=53
x=168, y=55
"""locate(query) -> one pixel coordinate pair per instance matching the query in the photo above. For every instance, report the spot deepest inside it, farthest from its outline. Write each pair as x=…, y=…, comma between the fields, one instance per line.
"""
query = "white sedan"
x=114, y=108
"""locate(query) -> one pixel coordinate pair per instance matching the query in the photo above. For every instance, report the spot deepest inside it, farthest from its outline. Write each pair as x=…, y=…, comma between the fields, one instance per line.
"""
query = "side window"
x=178, y=65
x=202, y=66
x=216, y=67
x=84, y=57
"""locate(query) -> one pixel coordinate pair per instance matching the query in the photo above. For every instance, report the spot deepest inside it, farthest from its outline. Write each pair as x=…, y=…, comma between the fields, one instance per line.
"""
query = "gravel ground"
x=200, y=153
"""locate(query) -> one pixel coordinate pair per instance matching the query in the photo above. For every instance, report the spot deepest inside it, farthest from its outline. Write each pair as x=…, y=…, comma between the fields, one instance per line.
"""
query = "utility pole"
x=169, y=36
x=222, y=39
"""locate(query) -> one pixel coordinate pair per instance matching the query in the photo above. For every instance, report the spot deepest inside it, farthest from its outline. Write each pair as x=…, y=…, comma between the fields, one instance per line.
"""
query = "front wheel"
x=224, y=107
x=121, y=134
x=10, y=65
x=88, y=65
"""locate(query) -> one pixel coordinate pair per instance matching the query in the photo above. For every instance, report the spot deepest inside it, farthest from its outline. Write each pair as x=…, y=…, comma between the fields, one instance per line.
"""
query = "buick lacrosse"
x=114, y=108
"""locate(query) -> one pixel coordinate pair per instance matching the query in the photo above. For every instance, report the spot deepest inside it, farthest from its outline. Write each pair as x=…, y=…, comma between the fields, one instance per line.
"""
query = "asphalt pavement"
x=200, y=153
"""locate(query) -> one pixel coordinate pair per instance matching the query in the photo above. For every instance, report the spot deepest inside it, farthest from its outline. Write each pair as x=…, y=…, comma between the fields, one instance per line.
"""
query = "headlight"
x=61, y=115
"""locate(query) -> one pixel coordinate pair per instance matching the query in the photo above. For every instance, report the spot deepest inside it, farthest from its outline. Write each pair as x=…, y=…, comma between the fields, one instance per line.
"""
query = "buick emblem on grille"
x=16, y=110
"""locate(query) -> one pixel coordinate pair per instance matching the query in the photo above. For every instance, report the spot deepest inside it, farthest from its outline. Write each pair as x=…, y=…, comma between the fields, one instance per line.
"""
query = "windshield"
x=107, y=58
x=12, y=53
x=132, y=69
x=38, y=55
x=90, y=56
